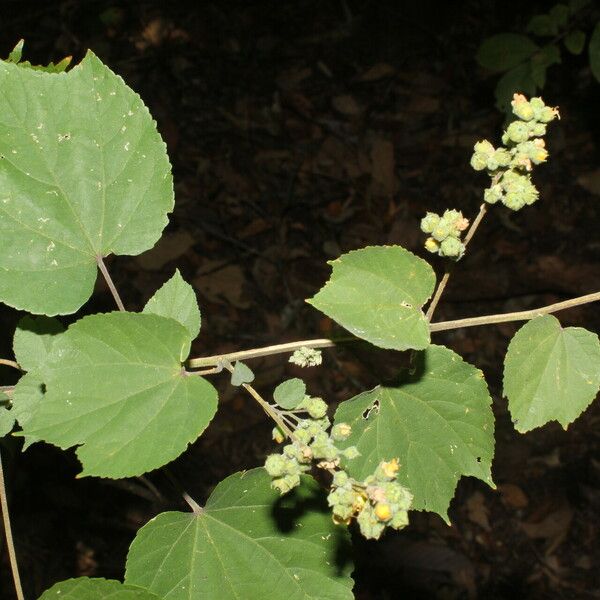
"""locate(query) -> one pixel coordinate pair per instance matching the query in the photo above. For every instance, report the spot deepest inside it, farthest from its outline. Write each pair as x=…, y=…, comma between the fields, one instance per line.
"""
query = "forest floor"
x=299, y=131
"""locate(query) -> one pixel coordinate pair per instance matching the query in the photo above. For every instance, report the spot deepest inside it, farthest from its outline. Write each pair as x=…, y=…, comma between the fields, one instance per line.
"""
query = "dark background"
x=298, y=131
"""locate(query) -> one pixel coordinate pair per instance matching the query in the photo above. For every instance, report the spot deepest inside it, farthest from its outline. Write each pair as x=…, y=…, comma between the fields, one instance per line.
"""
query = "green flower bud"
x=399, y=520
x=369, y=525
x=275, y=465
x=442, y=231
x=479, y=161
x=484, y=147
x=492, y=164
x=492, y=194
x=316, y=408
x=340, y=478
x=351, y=452
x=548, y=114
x=429, y=222
x=341, y=432
x=502, y=157
x=431, y=245
x=514, y=201
x=517, y=132
x=452, y=247
x=306, y=357
x=522, y=108
x=278, y=435
x=536, y=129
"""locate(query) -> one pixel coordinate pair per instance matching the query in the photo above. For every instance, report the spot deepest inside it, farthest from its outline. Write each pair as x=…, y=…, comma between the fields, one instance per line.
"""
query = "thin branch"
x=523, y=315
x=10, y=363
x=444, y=281
x=271, y=412
x=266, y=351
x=10, y=546
x=109, y=282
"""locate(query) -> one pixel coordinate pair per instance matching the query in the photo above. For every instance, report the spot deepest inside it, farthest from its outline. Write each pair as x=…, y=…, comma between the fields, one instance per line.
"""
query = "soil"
x=298, y=131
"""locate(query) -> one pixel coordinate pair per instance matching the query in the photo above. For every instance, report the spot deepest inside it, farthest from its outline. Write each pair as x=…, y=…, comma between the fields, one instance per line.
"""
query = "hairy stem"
x=10, y=363
x=109, y=282
x=522, y=315
x=444, y=281
x=10, y=546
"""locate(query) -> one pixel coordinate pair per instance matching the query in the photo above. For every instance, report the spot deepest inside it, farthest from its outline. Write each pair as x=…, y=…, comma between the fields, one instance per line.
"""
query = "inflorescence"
x=509, y=167
x=376, y=503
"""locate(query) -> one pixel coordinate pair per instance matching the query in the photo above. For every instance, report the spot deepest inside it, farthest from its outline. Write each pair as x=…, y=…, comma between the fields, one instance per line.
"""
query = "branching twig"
x=10, y=546
x=523, y=315
x=109, y=282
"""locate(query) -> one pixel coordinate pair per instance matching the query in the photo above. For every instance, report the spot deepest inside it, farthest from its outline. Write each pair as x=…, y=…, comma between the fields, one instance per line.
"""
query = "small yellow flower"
x=383, y=511
x=390, y=469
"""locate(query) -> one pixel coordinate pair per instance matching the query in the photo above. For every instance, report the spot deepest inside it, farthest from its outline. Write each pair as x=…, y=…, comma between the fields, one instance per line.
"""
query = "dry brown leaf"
x=477, y=511
x=346, y=105
x=590, y=181
x=168, y=248
x=383, y=165
x=376, y=72
x=553, y=528
x=513, y=495
x=223, y=285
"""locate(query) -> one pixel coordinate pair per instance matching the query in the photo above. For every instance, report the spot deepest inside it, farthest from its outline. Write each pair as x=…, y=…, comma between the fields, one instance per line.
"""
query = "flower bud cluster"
x=510, y=166
x=306, y=357
x=376, y=503
x=445, y=232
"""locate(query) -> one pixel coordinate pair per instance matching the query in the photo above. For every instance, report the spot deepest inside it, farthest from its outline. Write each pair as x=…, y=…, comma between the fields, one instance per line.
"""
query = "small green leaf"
x=246, y=544
x=17, y=52
x=176, y=299
x=241, y=374
x=594, y=51
x=290, y=393
x=575, y=41
x=83, y=174
x=33, y=340
x=505, y=51
x=377, y=293
x=542, y=25
x=550, y=373
x=116, y=387
x=84, y=588
x=437, y=422
x=517, y=80
x=559, y=14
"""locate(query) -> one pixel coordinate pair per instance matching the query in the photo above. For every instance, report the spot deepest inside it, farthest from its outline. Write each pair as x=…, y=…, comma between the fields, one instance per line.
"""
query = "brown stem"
x=109, y=282
x=10, y=546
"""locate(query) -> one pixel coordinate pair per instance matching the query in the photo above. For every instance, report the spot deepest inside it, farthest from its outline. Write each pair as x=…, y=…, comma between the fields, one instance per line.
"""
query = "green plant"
x=84, y=174
x=524, y=61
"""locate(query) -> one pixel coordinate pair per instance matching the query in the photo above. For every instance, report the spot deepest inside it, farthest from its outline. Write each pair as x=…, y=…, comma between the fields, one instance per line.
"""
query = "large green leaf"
x=33, y=340
x=7, y=418
x=246, y=544
x=176, y=299
x=594, y=51
x=550, y=373
x=377, y=294
x=83, y=174
x=85, y=588
x=505, y=51
x=115, y=384
x=437, y=422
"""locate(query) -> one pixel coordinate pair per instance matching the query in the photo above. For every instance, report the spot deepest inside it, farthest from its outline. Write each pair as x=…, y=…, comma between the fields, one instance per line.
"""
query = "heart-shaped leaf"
x=290, y=393
x=241, y=374
x=116, y=387
x=377, y=294
x=247, y=543
x=83, y=174
x=550, y=373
